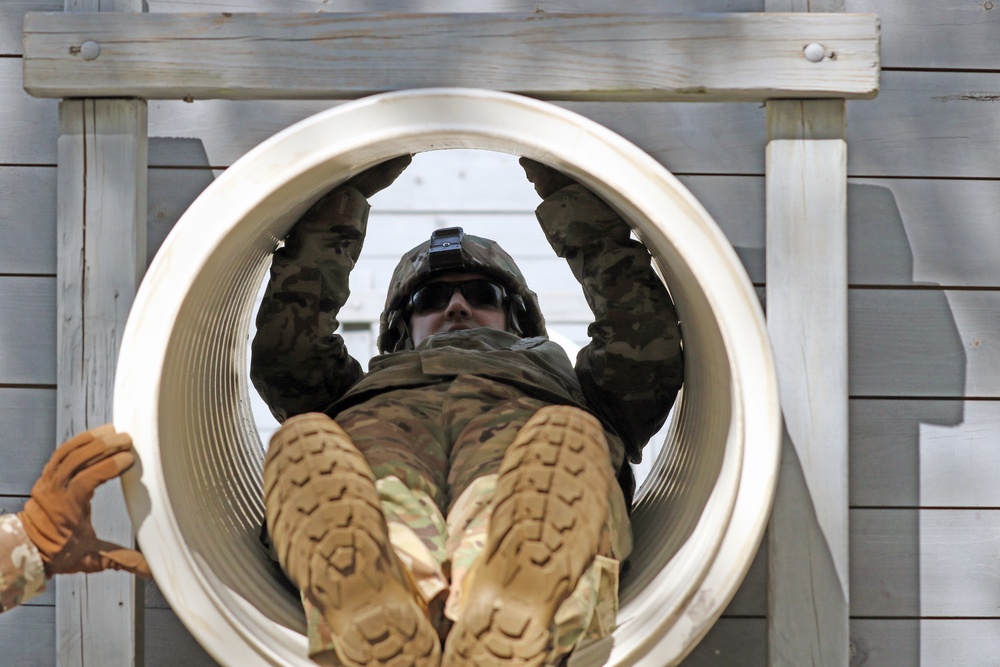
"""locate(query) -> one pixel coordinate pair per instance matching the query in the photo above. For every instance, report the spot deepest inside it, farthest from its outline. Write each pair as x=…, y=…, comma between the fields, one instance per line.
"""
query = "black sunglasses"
x=479, y=293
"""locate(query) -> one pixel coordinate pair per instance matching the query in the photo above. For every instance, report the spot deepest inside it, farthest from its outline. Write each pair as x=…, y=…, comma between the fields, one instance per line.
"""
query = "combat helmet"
x=447, y=251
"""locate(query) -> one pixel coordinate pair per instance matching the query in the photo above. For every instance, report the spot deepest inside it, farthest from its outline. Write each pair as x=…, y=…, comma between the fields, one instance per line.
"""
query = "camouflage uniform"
x=434, y=420
x=22, y=575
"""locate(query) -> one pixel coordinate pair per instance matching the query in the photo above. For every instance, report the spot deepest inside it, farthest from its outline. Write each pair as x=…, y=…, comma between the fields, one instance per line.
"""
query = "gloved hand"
x=57, y=517
x=545, y=179
x=379, y=177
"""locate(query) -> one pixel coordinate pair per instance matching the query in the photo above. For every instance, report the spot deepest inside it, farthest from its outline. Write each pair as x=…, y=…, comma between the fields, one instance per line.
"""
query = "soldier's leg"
x=324, y=517
x=532, y=597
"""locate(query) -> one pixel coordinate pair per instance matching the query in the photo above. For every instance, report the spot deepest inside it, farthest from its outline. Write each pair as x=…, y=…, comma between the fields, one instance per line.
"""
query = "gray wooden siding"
x=923, y=193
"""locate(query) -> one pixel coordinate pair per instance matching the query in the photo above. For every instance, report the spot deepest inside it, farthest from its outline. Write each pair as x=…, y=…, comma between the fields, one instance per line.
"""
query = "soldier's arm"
x=632, y=369
x=22, y=574
x=298, y=363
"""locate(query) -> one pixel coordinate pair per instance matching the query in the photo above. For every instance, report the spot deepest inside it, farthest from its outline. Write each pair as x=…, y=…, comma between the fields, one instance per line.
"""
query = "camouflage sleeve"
x=22, y=575
x=298, y=364
x=633, y=366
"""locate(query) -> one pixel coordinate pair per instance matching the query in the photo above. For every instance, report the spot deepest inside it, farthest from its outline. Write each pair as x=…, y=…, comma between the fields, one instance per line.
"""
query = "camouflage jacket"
x=628, y=375
x=22, y=575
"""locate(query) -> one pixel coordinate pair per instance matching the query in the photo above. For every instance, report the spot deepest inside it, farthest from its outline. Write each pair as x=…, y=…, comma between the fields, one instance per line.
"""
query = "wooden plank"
x=731, y=643
x=27, y=635
x=452, y=6
x=27, y=124
x=924, y=343
x=168, y=643
x=27, y=330
x=946, y=34
x=12, y=18
x=27, y=209
x=895, y=235
x=908, y=563
x=101, y=248
x=924, y=563
x=903, y=343
x=318, y=56
x=881, y=642
x=894, y=228
x=925, y=453
x=29, y=414
x=806, y=256
x=947, y=116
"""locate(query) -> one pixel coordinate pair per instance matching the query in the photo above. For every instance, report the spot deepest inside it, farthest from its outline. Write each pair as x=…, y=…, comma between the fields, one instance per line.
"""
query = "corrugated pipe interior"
x=181, y=388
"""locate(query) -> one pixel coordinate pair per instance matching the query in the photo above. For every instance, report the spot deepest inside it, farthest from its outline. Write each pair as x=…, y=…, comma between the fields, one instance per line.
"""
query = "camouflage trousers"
x=435, y=452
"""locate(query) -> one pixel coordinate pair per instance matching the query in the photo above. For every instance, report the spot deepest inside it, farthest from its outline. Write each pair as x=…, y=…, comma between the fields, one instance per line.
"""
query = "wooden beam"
x=101, y=248
x=807, y=321
x=642, y=57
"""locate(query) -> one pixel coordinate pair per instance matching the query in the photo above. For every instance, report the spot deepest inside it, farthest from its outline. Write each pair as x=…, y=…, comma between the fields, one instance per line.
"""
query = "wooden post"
x=807, y=321
x=101, y=256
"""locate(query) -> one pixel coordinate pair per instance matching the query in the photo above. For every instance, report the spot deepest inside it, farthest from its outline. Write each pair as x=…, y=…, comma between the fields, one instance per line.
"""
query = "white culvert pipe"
x=182, y=393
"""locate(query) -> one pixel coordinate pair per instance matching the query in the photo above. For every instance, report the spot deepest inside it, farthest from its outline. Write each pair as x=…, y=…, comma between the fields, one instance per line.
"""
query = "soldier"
x=53, y=534
x=468, y=477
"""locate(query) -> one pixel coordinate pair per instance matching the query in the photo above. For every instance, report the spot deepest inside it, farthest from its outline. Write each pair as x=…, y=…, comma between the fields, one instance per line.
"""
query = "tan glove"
x=545, y=179
x=381, y=176
x=57, y=517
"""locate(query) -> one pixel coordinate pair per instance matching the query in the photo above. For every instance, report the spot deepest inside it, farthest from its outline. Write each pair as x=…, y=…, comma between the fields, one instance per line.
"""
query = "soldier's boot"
x=549, y=510
x=331, y=537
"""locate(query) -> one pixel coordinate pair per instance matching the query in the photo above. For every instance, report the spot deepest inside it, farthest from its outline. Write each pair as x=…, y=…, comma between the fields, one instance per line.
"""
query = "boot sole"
x=549, y=510
x=324, y=516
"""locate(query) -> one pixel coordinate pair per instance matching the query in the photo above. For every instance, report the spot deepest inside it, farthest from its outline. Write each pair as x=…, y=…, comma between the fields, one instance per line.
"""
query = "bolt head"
x=814, y=52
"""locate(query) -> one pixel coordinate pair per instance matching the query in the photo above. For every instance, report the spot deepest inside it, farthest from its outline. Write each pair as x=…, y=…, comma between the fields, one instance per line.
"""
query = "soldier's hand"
x=379, y=177
x=57, y=516
x=545, y=179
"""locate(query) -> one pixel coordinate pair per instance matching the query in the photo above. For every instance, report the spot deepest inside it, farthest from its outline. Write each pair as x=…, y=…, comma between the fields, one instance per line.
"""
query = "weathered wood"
x=924, y=343
x=928, y=34
x=101, y=250
x=882, y=642
x=26, y=635
x=28, y=417
x=27, y=124
x=12, y=18
x=321, y=56
x=909, y=563
x=27, y=330
x=947, y=116
x=807, y=256
x=903, y=343
x=418, y=6
x=925, y=453
x=169, y=644
x=731, y=643
x=27, y=209
x=895, y=235
x=924, y=563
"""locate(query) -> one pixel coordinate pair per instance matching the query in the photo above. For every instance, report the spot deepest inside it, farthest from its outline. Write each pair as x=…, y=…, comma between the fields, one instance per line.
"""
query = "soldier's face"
x=458, y=313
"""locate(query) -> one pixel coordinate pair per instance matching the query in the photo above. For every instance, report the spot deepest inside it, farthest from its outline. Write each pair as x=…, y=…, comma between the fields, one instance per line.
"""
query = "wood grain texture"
x=319, y=56
x=925, y=563
x=947, y=115
x=12, y=18
x=27, y=210
x=27, y=330
x=925, y=453
x=806, y=233
x=928, y=34
x=102, y=252
x=419, y=6
x=27, y=416
x=895, y=234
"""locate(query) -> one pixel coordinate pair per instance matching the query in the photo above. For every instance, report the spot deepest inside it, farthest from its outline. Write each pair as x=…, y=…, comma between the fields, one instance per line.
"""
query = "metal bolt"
x=814, y=52
x=90, y=50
